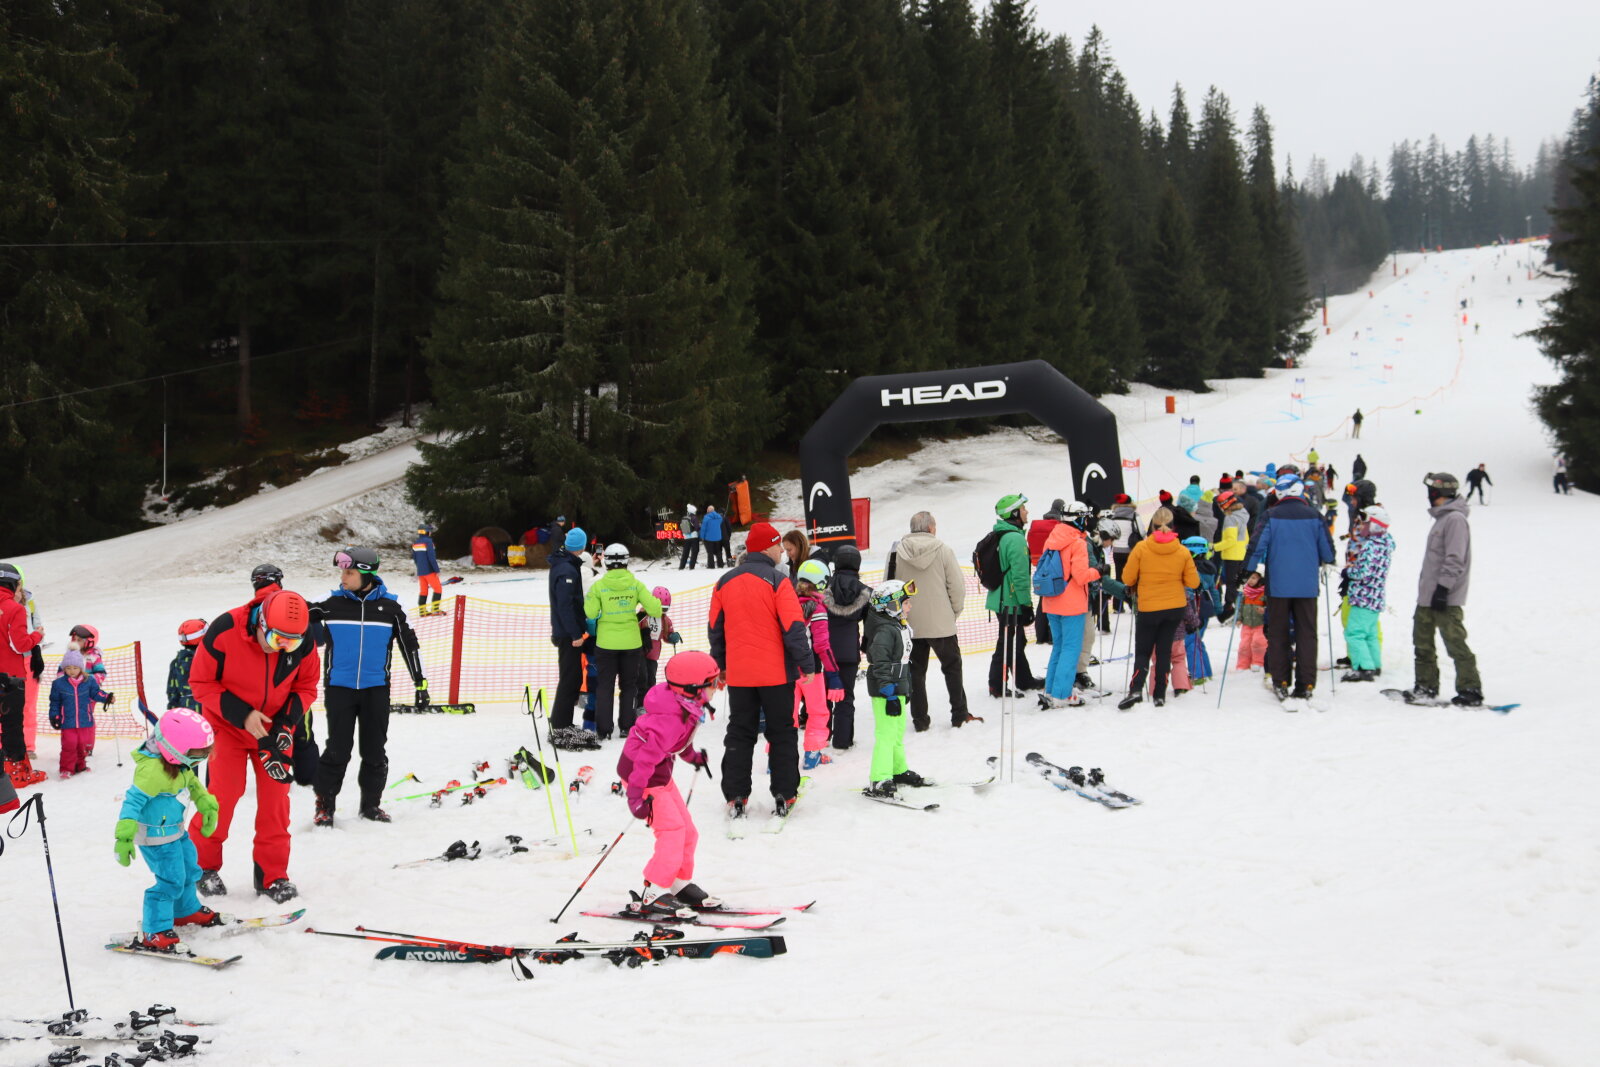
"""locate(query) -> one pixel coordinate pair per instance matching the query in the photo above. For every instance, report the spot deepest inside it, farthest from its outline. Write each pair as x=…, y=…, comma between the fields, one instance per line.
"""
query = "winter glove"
x=55, y=722
x=1027, y=615
x=206, y=805
x=834, y=685
x=127, y=829
x=891, y=707
x=111, y=698
x=1441, y=598
x=36, y=663
x=886, y=691
x=639, y=805
x=421, y=699
x=674, y=638
x=695, y=757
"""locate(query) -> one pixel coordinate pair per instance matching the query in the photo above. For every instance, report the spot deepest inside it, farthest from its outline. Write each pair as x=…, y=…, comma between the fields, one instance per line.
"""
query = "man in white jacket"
x=932, y=613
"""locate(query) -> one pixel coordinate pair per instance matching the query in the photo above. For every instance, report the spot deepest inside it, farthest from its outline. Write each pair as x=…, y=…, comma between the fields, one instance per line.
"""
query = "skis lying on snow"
x=216, y=963
x=514, y=846
x=434, y=709
x=628, y=915
x=79, y=1025
x=660, y=942
x=1074, y=780
x=237, y=926
x=1436, y=702
x=896, y=802
x=725, y=909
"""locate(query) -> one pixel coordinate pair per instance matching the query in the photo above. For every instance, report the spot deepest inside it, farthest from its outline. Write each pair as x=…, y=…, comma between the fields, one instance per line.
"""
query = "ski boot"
x=884, y=788
x=375, y=814
x=1050, y=703
x=205, y=917
x=1421, y=694
x=911, y=778
x=697, y=898
x=1085, y=685
x=1467, y=698
x=23, y=775
x=324, y=815
x=1279, y=691
x=1134, y=696
x=781, y=806
x=813, y=760
x=1359, y=676
x=658, y=905
x=210, y=884
x=166, y=941
x=279, y=890
x=957, y=721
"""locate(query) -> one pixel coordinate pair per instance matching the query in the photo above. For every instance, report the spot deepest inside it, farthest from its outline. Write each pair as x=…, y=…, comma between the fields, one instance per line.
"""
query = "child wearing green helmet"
x=888, y=654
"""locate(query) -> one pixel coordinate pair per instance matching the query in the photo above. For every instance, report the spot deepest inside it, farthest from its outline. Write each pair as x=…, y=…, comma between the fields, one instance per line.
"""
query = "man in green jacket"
x=612, y=608
x=1012, y=602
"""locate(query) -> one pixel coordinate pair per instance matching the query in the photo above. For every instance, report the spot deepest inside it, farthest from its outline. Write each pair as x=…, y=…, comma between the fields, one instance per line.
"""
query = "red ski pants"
x=225, y=775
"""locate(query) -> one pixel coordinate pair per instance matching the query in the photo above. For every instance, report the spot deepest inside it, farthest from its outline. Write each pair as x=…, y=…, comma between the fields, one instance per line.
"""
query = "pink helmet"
x=179, y=732
x=663, y=594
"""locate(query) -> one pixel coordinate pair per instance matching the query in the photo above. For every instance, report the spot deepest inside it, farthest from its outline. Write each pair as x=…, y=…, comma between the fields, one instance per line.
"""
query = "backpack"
x=1048, y=577
x=986, y=560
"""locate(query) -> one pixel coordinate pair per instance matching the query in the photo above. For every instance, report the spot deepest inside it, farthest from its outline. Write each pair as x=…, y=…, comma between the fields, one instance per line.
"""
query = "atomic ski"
x=1421, y=702
x=659, y=943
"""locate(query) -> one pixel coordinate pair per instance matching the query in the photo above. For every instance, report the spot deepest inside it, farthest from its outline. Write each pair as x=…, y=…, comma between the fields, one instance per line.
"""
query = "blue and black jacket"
x=1293, y=541
x=567, y=620
x=359, y=630
x=424, y=556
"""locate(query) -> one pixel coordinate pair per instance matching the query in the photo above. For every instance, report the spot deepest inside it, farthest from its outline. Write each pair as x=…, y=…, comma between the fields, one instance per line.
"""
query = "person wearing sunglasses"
x=362, y=621
x=255, y=675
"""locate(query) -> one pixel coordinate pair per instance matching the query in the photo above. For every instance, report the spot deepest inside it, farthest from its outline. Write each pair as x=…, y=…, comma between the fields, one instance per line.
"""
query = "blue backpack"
x=1048, y=577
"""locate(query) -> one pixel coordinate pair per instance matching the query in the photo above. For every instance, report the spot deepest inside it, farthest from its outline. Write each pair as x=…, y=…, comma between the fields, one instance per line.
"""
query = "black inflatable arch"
x=1035, y=387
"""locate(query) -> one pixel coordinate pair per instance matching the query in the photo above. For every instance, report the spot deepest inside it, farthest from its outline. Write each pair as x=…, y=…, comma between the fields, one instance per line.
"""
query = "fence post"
x=457, y=630
x=138, y=678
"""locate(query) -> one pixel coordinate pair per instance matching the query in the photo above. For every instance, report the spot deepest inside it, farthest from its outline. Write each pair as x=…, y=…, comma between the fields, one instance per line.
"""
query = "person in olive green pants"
x=1442, y=595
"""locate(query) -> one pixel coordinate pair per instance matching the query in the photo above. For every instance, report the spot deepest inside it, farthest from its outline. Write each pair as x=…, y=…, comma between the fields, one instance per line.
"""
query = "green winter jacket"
x=1016, y=582
x=614, y=601
x=885, y=653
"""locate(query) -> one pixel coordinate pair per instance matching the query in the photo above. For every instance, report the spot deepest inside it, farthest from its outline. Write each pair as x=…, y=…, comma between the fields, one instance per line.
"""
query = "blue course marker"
x=1191, y=449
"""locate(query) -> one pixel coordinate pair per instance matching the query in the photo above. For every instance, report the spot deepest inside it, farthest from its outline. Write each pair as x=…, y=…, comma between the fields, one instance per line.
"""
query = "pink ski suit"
x=814, y=696
x=664, y=731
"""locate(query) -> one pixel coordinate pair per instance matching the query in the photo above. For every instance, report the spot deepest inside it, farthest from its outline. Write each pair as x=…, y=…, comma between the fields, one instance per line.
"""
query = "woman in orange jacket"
x=1157, y=571
x=1065, y=611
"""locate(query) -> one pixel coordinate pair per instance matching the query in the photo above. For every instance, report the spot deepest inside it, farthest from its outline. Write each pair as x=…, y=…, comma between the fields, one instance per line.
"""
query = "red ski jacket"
x=757, y=635
x=231, y=676
x=15, y=640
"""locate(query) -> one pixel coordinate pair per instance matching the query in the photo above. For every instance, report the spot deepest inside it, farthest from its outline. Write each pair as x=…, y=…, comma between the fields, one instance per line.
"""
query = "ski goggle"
x=345, y=562
x=279, y=641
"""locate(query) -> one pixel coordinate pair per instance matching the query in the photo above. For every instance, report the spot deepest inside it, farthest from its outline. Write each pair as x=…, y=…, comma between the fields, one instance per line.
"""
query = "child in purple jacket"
x=672, y=711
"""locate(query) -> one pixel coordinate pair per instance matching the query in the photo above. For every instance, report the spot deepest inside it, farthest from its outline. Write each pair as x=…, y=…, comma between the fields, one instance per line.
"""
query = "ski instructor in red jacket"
x=255, y=675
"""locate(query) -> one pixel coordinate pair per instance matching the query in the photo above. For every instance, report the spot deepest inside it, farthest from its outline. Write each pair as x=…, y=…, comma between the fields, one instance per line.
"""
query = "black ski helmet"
x=364, y=560
x=1441, y=484
x=266, y=574
x=10, y=577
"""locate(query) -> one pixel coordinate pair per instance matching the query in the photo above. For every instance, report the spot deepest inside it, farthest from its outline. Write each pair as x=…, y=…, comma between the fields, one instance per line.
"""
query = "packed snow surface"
x=1373, y=883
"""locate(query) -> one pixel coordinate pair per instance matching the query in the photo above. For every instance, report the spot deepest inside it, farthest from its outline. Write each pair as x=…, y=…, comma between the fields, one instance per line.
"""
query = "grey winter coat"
x=1447, y=559
x=941, y=587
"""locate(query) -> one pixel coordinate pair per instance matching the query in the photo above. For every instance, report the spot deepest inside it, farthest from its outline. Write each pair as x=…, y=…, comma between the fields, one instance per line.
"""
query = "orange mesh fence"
x=125, y=677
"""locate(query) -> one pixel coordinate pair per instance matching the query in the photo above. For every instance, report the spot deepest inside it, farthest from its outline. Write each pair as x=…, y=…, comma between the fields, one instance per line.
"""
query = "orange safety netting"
x=125, y=677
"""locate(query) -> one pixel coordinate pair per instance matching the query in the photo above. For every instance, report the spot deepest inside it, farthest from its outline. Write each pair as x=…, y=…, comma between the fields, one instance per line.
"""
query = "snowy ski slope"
x=1374, y=884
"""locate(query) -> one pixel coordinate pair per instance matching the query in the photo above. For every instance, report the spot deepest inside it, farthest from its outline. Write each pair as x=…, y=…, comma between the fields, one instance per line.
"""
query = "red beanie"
x=1165, y=497
x=760, y=538
x=1123, y=498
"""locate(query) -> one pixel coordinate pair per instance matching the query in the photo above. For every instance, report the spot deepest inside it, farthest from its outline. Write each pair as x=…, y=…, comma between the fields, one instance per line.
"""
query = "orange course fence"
x=480, y=651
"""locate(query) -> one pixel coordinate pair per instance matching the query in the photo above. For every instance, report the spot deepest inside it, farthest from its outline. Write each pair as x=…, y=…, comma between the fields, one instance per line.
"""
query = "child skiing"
x=72, y=700
x=426, y=560
x=179, y=694
x=1252, y=624
x=1203, y=604
x=811, y=579
x=152, y=818
x=888, y=655
x=1368, y=575
x=672, y=711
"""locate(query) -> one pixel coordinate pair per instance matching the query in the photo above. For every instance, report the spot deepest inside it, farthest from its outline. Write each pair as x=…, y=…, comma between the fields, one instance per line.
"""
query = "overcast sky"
x=1338, y=79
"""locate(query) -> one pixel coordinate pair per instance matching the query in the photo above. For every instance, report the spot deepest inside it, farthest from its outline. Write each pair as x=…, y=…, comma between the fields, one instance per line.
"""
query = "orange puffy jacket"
x=1157, y=569
x=1068, y=540
x=757, y=635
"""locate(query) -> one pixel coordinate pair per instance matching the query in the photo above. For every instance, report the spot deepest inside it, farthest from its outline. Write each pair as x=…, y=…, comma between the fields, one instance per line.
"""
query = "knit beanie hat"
x=73, y=658
x=761, y=537
x=575, y=539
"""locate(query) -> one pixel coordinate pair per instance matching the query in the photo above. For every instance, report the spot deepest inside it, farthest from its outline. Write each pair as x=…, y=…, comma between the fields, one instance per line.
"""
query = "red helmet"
x=190, y=631
x=691, y=673
x=1226, y=498
x=282, y=620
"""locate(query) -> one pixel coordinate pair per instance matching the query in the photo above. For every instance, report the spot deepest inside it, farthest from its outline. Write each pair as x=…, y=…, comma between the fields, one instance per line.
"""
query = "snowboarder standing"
x=361, y=623
x=426, y=559
x=255, y=675
x=1442, y=596
x=152, y=819
x=1477, y=478
x=672, y=712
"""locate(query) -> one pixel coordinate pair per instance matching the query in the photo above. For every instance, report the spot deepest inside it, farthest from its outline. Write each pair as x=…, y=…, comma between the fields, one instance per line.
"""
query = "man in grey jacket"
x=1441, y=596
x=941, y=593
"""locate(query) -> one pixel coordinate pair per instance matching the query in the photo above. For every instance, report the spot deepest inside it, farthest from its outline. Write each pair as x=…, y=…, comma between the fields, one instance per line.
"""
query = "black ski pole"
x=37, y=801
x=596, y=867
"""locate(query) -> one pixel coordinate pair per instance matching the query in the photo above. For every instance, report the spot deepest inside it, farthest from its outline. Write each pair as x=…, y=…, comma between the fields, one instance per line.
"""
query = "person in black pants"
x=689, y=527
x=361, y=622
x=569, y=633
x=846, y=599
x=1476, y=480
x=1158, y=572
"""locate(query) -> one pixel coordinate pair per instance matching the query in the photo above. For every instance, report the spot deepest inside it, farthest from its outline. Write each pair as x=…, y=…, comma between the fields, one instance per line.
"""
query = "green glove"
x=206, y=805
x=127, y=830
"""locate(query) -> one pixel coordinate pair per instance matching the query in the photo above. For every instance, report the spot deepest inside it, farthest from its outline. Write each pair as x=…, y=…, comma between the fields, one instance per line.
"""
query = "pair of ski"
x=1437, y=702
x=660, y=942
x=431, y=708
x=722, y=917
x=125, y=942
x=78, y=1027
x=738, y=824
x=513, y=846
x=1090, y=785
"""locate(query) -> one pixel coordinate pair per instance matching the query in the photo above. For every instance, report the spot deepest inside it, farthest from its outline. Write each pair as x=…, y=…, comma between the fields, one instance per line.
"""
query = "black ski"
x=1073, y=780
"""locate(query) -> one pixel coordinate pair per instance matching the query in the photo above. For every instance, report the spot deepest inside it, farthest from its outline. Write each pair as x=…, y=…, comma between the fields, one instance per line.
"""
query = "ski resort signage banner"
x=1088, y=427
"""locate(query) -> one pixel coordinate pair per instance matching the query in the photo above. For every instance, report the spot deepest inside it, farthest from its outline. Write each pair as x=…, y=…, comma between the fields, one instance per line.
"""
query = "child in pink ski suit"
x=811, y=579
x=672, y=711
x=1252, y=625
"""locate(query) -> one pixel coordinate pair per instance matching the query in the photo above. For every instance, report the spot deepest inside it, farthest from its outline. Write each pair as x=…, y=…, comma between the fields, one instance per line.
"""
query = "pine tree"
x=1280, y=245
x=71, y=314
x=1179, y=310
x=1236, y=264
x=1182, y=168
x=593, y=355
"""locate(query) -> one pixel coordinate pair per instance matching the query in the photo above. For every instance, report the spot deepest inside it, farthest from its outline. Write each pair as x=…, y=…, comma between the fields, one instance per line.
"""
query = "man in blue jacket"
x=569, y=633
x=361, y=623
x=711, y=537
x=1291, y=544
